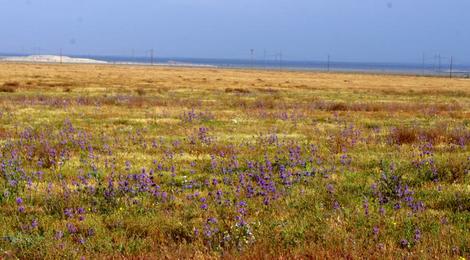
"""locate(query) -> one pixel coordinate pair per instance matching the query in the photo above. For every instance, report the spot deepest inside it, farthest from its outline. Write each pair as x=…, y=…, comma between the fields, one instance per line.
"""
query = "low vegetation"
x=121, y=161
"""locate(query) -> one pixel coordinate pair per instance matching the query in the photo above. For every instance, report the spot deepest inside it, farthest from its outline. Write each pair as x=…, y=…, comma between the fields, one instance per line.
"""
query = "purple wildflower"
x=212, y=220
x=59, y=235
x=417, y=235
x=404, y=243
x=330, y=188
x=336, y=205
x=375, y=230
x=382, y=211
x=34, y=223
x=365, y=205
x=71, y=228
x=397, y=206
x=68, y=213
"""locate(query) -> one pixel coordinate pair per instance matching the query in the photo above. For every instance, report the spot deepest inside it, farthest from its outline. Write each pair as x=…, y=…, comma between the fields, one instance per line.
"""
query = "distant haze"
x=348, y=30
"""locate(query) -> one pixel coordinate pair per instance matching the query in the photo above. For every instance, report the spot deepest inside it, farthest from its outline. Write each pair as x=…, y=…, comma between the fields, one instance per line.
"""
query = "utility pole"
x=252, y=52
x=60, y=55
x=328, y=64
x=439, y=68
x=423, y=64
x=451, y=65
x=264, y=58
x=151, y=57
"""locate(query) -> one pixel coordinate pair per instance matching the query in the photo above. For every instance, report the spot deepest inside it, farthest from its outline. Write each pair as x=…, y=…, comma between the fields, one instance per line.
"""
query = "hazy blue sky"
x=350, y=30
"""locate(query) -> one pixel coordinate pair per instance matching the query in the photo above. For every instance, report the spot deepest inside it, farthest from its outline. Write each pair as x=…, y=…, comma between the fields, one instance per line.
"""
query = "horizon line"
x=247, y=59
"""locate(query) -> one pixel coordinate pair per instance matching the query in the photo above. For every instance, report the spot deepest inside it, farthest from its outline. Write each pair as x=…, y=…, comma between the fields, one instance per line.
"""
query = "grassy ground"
x=120, y=161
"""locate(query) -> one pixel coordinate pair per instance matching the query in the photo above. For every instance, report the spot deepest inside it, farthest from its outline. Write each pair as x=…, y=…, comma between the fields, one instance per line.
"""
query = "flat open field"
x=120, y=161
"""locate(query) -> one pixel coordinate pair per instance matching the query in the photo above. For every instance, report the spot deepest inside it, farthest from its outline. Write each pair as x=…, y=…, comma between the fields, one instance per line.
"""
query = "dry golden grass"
x=98, y=77
x=344, y=126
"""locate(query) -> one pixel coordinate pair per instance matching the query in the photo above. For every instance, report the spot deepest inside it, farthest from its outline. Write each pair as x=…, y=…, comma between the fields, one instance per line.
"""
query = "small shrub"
x=459, y=136
x=3, y=133
x=7, y=89
x=433, y=135
x=267, y=90
x=453, y=170
x=344, y=139
x=338, y=107
x=140, y=92
x=404, y=135
x=11, y=84
x=237, y=90
x=454, y=202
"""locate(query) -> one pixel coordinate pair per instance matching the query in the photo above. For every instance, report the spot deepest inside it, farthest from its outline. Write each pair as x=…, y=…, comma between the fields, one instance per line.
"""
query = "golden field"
x=139, y=161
